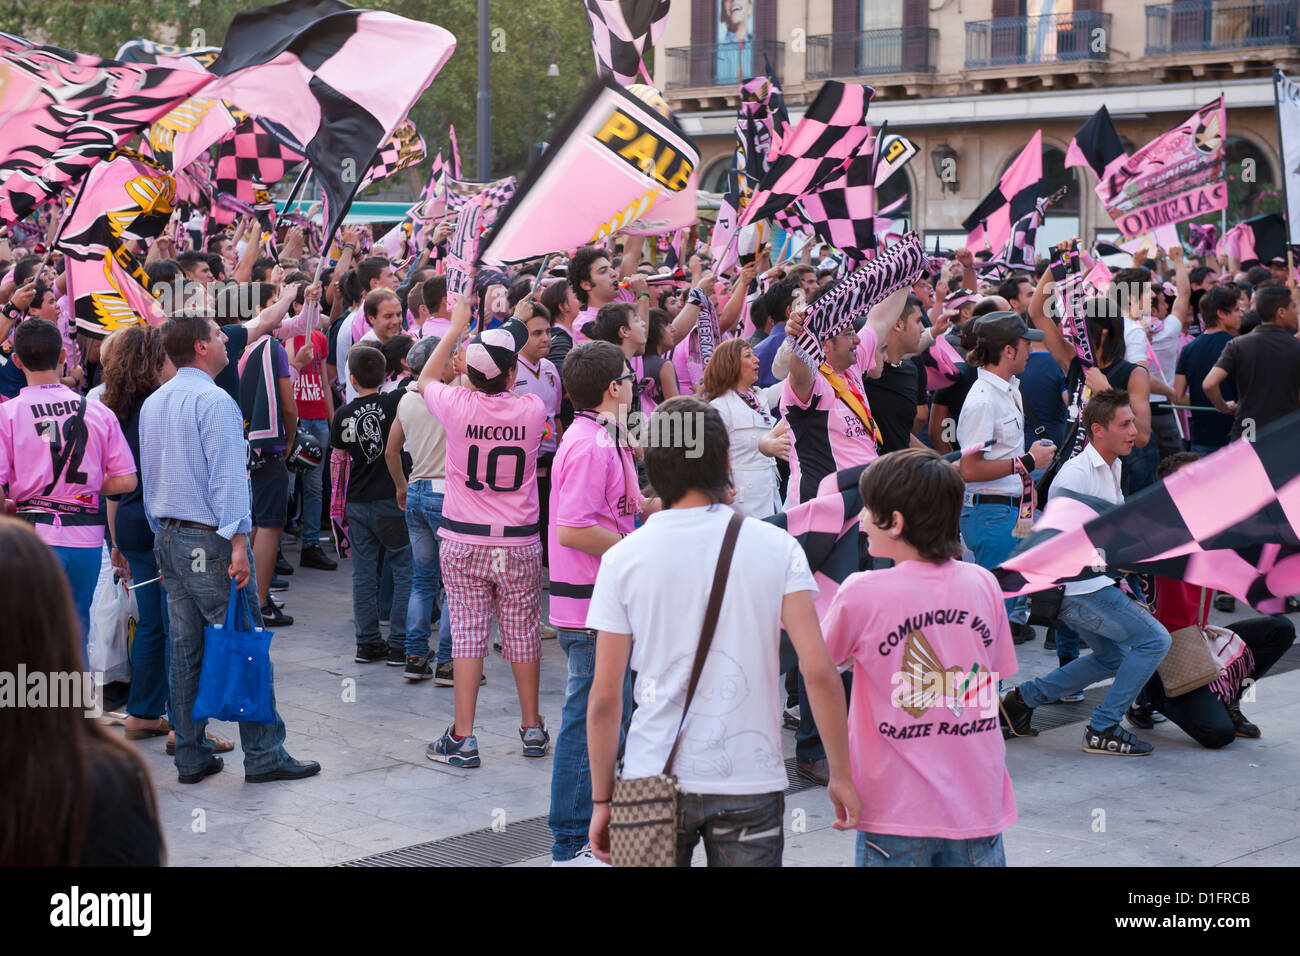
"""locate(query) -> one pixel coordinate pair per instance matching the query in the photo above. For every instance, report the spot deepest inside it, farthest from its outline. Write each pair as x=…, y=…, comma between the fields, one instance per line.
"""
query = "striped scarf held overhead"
x=707, y=325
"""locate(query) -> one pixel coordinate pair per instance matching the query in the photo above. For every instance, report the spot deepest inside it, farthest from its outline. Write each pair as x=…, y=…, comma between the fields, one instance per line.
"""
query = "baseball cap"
x=1004, y=328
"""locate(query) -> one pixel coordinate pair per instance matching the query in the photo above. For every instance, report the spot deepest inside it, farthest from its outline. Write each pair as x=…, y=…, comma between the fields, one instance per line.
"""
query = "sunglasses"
x=625, y=378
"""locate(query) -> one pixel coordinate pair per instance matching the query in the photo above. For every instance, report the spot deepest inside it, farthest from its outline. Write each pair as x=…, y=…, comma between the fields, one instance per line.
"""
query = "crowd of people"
x=558, y=454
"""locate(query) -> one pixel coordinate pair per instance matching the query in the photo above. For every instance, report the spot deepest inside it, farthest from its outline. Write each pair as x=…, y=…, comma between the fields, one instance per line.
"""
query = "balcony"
x=721, y=64
x=1058, y=38
x=873, y=52
x=1193, y=26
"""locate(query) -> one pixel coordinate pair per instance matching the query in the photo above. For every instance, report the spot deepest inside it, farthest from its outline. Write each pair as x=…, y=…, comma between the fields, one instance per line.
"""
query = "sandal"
x=142, y=733
x=223, y=746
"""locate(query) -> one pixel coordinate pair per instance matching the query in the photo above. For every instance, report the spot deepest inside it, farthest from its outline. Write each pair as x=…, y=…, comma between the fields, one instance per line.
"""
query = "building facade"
x=972, y=80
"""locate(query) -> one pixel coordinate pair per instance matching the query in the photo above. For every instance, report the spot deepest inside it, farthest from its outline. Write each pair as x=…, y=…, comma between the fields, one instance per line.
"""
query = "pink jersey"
x=492, y=443
x=544, y=382
x=929, y=644
x=434, y=325
x=593, y=482
x=43, y=449
x=589, y=315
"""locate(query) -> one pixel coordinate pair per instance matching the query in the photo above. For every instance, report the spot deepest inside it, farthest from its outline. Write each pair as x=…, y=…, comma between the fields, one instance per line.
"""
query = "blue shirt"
x=193, y=457
x=1042, y=381
x=766, y=351
x=1209, y=429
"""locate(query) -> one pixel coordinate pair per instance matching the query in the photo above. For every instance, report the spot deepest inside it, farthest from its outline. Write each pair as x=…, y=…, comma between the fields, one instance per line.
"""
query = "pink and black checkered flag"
x=622, y=31
x=251, y=159
x=830, y=134
x=1230, y=521
x=843, y=212
x=404, y=148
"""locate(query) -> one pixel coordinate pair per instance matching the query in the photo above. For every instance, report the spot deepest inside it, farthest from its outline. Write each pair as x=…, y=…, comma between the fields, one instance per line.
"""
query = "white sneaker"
x=584, y=858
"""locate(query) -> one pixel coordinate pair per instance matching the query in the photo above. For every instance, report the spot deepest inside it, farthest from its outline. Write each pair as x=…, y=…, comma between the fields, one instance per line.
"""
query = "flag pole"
x=1281, y=154
x=1223, y=213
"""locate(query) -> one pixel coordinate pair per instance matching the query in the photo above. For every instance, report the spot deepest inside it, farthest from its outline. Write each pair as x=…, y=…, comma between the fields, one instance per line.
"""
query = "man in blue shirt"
x=194, y=469
x=1222, y=308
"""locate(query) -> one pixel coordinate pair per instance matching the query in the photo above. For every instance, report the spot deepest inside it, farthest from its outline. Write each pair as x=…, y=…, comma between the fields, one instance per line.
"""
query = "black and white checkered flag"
x=621, y=33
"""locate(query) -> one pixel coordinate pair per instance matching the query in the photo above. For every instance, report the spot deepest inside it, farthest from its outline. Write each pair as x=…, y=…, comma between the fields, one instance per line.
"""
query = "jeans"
x=379, y=528
x=81, y=565
x=444, y=631
x=193, y=563
x=886, y=849
x=570, y=815
x=986, y=529
x=807, y=741
x=1067, y=642
x=423, y=518
x=313, y=483
x=1127, y=643
x=738, y=830
x=150, y=653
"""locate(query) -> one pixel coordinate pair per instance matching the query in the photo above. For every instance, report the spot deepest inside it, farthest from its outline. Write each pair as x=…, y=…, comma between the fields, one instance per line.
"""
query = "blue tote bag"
x=235, y=682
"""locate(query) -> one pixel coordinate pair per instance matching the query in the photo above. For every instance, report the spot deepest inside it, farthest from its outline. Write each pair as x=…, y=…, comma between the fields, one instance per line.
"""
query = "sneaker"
x=397, y=656
x=278, y=583
x=1015, y=716
x=417, y=668
x=790, y=717
x=1244, y=727
x=1115, y=741
x=1075, y=698
x=459, y=753
x=496, y=644
x=1021, y=633
x=1225, y=603
x=1049, y=642
x=548, y=633
x=273, y=616
x=1139, y=715
x=369, y=655
x=1157, y=717
x=316, y=557
x=282, y=566
x=584, y=858
x=536, y=740
x=443, y=676
x=275, y=600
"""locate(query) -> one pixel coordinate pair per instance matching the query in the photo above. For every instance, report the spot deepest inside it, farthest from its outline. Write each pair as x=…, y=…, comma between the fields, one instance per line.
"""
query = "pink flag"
x=1015, y=196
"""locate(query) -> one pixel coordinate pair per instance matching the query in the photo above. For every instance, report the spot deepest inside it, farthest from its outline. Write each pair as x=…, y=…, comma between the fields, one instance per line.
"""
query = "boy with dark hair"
x=58, y=454
x=490, y=551
x=1222, y=309
x=927, y=756
x=376, y=524
x=1127, y=642
x=1265, y=363
x=729, y=767
x=595, y=499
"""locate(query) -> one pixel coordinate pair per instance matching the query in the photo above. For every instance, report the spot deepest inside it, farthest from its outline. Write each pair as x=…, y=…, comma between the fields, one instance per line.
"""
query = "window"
x=714, y=179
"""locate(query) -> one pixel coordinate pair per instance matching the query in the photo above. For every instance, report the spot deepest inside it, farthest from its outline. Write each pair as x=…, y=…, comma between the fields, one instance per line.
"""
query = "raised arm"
x=1052, y=337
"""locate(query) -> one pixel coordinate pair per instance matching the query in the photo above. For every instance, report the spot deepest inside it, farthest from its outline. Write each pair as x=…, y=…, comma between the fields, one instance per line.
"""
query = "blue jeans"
x=1127, y=643
x=149, y=651
x=313, y=483
x=986, y=529
x=886, y=849
x=1067, y=642
x=193, y=563
x=379, y=528
x=570, y=816
x=807, y=740
x=423, y=519
x=81, y=565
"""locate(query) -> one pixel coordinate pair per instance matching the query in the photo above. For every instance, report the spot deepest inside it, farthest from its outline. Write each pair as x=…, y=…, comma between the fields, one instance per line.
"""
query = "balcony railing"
x=873, y=52
x=1192, y=25
x=1058, y=38
x=721, y=64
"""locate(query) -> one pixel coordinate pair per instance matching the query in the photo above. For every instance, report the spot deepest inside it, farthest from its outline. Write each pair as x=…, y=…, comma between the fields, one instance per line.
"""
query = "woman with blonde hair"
x=747, y=412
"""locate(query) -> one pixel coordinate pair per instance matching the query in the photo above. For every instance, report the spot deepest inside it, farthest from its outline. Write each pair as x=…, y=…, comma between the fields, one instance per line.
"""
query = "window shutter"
x=703, y=34
x=845, y=27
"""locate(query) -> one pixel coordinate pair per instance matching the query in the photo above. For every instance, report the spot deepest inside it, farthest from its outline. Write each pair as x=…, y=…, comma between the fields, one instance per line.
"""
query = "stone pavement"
x=377, y=792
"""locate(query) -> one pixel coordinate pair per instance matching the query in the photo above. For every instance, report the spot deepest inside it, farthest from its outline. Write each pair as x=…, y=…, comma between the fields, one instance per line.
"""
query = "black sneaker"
x=272, y=616
x=282, y=566
x=1015, y=716
x=370, y=655
x=443, y=675
x=1021, y=633
x=278, y=583
x=397, y=656
x=1139, y=715
x=1225, y=603
x=1115, y=741
x=417, y=668
x=1244, y=727
x=1049, y=642
x=318, y=559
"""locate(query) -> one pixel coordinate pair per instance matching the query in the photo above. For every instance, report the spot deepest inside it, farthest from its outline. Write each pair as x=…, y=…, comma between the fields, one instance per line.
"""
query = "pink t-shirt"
x=826, y=434
x=492, y=443
x=589, y=315
x=929, y=644
x=34, y=434
x=593, y=482
x=434, y=326
x=544, y=382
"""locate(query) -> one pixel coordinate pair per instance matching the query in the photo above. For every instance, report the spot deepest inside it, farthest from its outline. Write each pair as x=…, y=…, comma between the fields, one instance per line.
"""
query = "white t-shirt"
x=1135, y=342
x=731, y=743
x=1164, y=345
x=1088, y=474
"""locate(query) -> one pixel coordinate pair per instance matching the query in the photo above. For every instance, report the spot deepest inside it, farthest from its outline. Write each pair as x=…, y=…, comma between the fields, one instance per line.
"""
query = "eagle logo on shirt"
x=923, y=682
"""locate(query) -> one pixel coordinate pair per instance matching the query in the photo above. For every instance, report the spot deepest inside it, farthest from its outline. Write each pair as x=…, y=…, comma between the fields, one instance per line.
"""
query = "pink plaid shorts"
x=485, y=580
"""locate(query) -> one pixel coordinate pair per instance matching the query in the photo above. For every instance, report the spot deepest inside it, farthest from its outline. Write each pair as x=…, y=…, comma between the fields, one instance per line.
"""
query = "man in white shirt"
x=383, y=312
x=1127, y=642
x=997, y=479
x=729, y=765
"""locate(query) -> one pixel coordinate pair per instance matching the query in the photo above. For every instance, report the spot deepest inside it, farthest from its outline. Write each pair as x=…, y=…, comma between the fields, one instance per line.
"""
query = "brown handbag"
x=1189, y=663
x=643, y=810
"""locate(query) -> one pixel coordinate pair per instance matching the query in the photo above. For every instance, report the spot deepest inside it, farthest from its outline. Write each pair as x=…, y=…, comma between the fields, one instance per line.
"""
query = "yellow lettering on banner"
x=618, y=127
x=634, y=211
x=640, y=152
x=640, y=146
x=896, y=148
x=681, y=177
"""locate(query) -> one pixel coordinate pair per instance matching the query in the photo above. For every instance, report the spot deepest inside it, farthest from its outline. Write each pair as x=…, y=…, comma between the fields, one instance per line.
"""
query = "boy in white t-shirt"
x=729, y=765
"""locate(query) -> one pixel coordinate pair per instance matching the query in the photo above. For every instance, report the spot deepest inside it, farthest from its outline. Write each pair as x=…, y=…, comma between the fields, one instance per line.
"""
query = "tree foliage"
x=526, y=37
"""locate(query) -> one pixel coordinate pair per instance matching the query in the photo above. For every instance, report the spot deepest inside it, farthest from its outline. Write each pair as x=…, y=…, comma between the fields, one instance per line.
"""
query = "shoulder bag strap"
x=710, y=623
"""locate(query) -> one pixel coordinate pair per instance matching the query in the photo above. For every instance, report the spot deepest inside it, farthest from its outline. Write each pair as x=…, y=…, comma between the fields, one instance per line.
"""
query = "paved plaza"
x=377, y=793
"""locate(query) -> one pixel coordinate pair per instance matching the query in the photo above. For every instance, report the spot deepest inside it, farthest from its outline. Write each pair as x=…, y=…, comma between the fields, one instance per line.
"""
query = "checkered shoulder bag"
x=643, y=811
